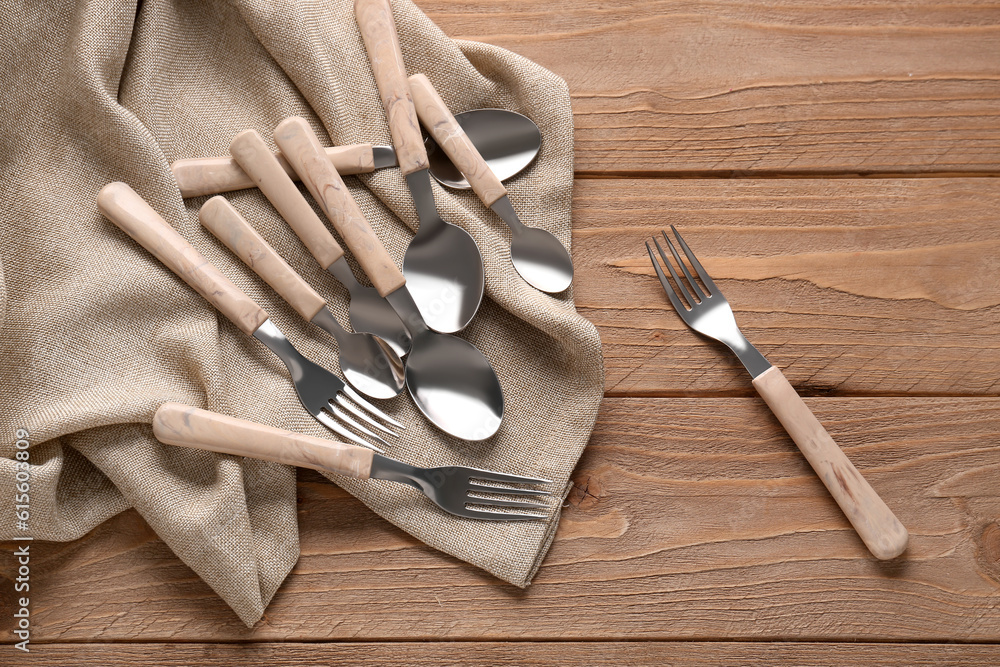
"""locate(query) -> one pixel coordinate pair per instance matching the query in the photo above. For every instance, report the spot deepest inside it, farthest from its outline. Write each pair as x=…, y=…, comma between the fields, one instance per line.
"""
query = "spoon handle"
x=298, y=141
x=211, y=175
x=249, y=149
x=186, y=426
x=449, y=135
x=220, y=218
x=123, y=206
x=378, y=29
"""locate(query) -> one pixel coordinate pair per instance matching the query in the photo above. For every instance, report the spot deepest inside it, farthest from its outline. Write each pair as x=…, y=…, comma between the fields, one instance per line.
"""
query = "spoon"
x=368, y=310
x=508, y=141
x=450, y=381
x=537, y=255
x=368, y=363
x=442, y=265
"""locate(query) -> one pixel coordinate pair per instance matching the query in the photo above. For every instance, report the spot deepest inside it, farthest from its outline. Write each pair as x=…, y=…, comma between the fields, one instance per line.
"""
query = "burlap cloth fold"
x=95, y=333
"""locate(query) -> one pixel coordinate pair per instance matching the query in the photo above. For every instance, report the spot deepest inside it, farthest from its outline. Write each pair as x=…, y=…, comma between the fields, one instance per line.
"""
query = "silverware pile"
x=404, y=325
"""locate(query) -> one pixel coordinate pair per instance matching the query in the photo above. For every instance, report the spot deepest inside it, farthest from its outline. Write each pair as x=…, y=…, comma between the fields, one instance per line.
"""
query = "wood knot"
x=587, y=491
x=988, y=551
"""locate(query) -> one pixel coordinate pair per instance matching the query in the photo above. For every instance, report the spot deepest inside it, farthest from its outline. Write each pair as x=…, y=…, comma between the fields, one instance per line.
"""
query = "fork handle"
x=297, y=140
x=186, y=426
x=211, y=175
x=875, y=523
x=449, y=135
x=123, y=206
x=250, y=151
x=378, y=29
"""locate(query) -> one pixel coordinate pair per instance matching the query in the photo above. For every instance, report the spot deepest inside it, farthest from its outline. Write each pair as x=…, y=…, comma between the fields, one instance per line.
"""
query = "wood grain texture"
x=852, y=286
x=691, y=518
x=298, y=141
x=521, y=654
x=225, y=222
x=877, y=526
x=249, y=149
x=130, y=212
x=742, y=88
x=212, y=175
x=378, y=29
x=186, y=426
x=449, y=135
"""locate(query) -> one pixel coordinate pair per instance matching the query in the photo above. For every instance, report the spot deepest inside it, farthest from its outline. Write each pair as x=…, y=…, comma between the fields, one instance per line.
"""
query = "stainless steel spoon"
x=443, y=266
x=450, y=381
x=507, y=140
x=368, y=362
x=537, y=255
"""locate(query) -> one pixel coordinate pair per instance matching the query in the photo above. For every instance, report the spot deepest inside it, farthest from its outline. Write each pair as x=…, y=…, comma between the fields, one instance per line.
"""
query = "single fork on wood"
x=707, y=312
x=454, y=489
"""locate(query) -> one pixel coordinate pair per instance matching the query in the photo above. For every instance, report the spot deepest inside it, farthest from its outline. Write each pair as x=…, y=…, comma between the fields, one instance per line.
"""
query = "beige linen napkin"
x=95, y=333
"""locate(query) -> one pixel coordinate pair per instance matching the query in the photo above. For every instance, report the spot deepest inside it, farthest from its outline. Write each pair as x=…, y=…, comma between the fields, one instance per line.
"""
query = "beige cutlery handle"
x=220, y=218
x=185, y=426
x=257, y=160
x=130, y=212
x=211, y=175
x=297, y=141
x=378, y=29
x=878, y=527
x=449, y=135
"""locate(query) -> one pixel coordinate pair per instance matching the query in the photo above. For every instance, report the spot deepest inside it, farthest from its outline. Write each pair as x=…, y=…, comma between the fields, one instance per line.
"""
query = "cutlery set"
x=404, y=325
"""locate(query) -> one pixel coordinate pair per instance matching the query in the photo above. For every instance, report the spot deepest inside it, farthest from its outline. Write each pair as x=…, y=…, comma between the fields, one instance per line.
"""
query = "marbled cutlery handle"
x=130, y=212
x=878, y=527
x=378, y=29
x=449, y=135
x=220, y=218
x=250, y=151
x=212, y=175
x=185, y=426
x=297, y=141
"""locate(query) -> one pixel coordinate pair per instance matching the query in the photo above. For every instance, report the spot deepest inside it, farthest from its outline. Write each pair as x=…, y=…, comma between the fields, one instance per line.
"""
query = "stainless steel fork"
x=466, y=492
x=706, y=310
x=321, y=392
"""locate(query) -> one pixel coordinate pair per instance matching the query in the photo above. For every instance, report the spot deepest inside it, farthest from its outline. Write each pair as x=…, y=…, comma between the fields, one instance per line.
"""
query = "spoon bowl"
x=541, y=260
x=453, y=384
x=444, y=271
x=507, y=140
x=371, y=365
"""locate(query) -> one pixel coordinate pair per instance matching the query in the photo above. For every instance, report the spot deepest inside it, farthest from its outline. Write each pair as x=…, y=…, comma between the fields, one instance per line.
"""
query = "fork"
x=456, y=489
x=321, y=392
x=707, y=312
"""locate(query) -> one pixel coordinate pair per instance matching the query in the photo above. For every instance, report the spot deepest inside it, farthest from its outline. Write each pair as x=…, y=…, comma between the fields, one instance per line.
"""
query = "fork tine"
x=342, y=416
x=333, y=425
x=344, y=403
x=499, y=516
x=513, y=504
x=684, y=268
x=695, y=263
x=667, y=287
x=673, y=274
x=483, y=488
x=490, y=476
x=369, y=407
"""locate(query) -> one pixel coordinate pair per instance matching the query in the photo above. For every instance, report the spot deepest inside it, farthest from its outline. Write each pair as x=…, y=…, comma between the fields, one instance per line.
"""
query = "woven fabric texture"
x=95, y=333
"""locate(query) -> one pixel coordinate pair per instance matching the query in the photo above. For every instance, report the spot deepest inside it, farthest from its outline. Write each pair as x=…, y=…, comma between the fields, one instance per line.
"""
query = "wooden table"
x=834, y=165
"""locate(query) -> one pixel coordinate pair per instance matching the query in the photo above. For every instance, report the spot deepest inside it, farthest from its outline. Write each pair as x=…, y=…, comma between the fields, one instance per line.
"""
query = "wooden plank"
x=750, y=87
x=851, y=286
x=692, y=519
x=489, y=654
